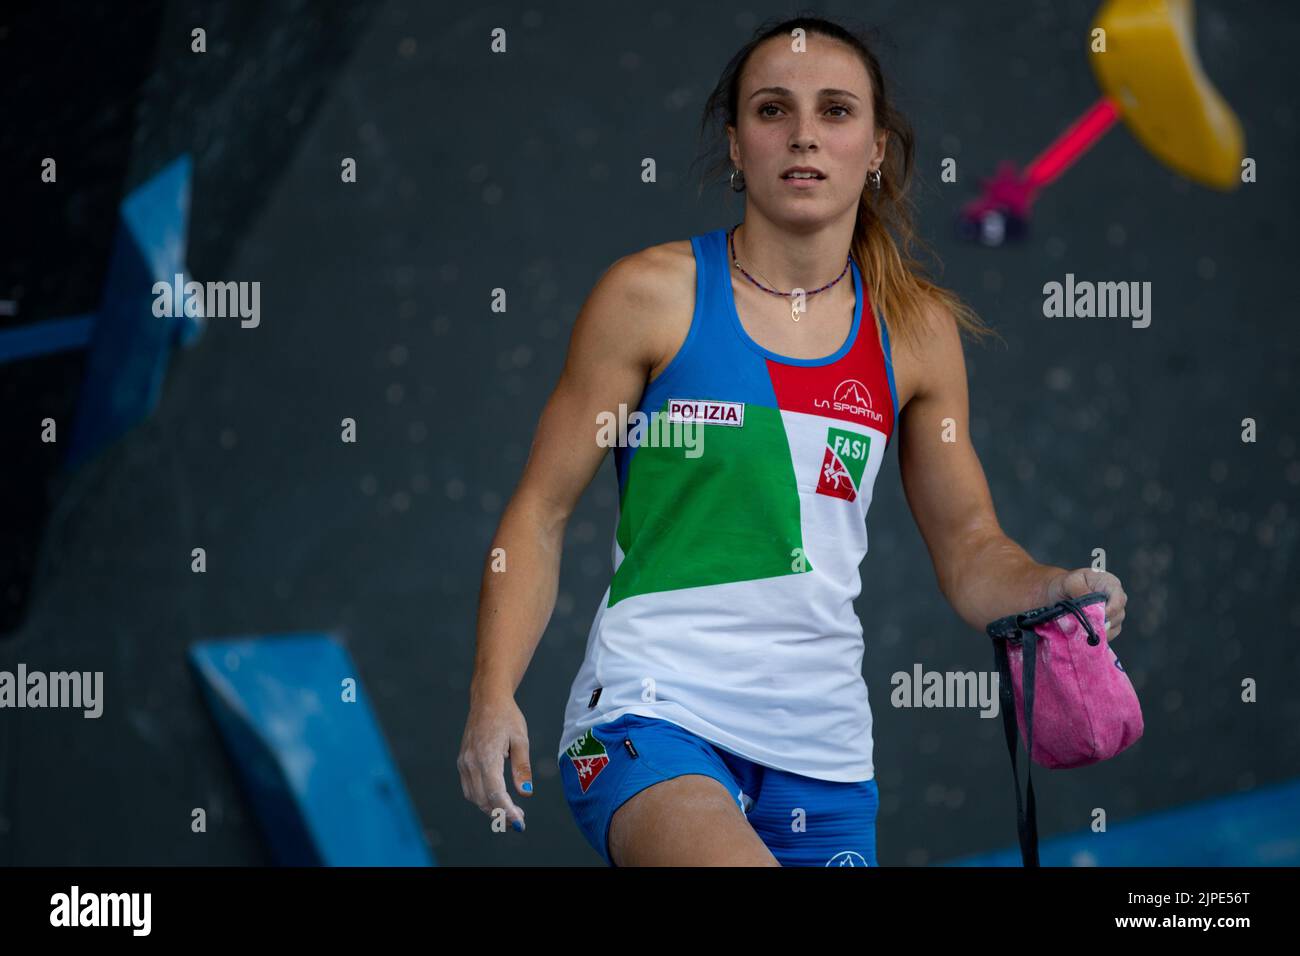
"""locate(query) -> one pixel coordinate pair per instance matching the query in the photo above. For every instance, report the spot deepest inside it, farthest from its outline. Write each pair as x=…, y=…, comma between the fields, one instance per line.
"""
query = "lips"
x=814, y=172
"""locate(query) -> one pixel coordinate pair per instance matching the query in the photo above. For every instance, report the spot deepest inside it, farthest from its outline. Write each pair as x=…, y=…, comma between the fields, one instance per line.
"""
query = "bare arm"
x=611, y=350
x=980, y=570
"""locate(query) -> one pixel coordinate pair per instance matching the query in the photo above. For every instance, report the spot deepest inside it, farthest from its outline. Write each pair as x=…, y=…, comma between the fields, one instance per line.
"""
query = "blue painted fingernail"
x=518, y=825
x=527, y=786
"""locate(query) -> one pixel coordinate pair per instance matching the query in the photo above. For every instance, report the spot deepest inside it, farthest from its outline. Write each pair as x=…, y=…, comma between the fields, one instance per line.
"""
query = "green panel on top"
x=730, y=514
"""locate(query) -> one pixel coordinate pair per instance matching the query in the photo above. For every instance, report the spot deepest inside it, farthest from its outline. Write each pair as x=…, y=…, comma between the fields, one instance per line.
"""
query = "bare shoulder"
x=656, y=274
x=936, y=330
x=930, y=357
x=654, y=291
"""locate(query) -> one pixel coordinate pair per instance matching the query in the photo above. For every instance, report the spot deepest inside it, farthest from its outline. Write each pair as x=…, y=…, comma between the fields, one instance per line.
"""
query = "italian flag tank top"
x=736, y=558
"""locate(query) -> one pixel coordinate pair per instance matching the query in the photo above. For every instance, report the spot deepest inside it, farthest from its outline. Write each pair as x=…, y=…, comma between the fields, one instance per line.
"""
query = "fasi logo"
x=843, y=463
x=589, y=758
x=852, y=396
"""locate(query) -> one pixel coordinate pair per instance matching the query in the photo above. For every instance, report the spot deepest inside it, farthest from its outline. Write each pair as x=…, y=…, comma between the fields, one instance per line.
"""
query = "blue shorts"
x=802, y=820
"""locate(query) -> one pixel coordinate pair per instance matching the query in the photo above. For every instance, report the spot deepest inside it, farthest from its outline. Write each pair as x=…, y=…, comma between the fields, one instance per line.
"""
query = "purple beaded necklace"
x=731, y=241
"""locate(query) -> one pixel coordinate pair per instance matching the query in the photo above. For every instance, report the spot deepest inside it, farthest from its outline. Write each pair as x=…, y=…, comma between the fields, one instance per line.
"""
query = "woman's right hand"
x=495, y=731
x=618, y=339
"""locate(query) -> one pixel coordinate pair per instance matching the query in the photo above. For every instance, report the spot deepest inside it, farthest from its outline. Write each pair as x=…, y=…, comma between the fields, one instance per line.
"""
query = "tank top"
x=736, y=561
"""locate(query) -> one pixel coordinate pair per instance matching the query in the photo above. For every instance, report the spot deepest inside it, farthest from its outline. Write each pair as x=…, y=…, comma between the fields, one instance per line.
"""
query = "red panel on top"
x=853, y=389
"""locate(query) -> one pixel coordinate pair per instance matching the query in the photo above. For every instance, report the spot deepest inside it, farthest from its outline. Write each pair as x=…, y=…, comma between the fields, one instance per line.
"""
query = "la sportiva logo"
x=843, y=463
x=853, y=397
x=847, y=858
x=589, y=758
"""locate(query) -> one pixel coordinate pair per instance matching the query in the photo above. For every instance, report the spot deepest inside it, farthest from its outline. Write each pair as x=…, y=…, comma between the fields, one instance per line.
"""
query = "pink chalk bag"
x=1073, y=703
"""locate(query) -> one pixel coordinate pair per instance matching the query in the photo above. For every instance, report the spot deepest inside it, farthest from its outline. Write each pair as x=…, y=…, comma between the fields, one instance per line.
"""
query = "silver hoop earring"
x=734, y=187
x=873, y=178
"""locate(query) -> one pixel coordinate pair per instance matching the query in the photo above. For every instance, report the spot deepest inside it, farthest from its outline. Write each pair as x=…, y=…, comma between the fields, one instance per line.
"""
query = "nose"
x=805, y=133
x=803, y=140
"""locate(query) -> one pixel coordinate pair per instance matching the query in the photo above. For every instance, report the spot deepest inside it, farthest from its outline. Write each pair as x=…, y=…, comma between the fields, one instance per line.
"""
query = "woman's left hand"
x=1083, y=581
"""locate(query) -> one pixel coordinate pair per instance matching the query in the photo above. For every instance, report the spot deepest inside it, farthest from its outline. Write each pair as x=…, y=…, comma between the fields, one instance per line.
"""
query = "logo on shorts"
x=843, y=462
x=589, y=758
x=847, y=858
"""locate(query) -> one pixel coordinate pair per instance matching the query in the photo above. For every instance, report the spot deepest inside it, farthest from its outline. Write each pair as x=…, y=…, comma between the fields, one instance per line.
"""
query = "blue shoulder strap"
x=889, y=372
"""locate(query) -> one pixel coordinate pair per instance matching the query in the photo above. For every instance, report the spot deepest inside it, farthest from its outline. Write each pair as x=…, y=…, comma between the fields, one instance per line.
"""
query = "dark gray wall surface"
x=522, y=171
